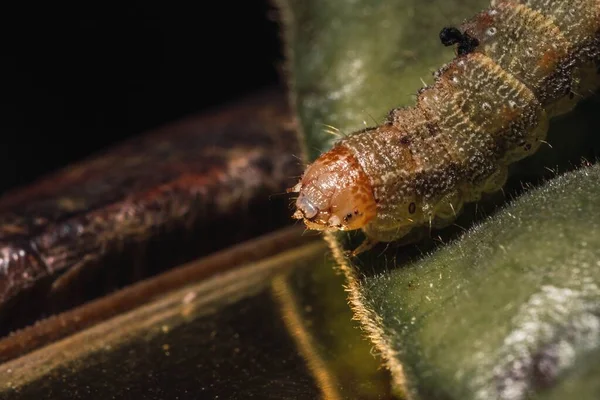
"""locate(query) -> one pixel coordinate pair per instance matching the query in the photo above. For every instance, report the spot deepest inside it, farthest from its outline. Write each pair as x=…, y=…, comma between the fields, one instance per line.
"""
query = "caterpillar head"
x=335, y=193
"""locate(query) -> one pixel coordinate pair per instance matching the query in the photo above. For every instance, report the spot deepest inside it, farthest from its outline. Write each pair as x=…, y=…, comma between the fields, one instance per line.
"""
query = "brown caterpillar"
x=519, y=63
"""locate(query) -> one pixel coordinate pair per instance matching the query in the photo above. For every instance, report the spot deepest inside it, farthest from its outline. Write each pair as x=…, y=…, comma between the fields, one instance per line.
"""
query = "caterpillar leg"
x=366, y=245
x=375, y=234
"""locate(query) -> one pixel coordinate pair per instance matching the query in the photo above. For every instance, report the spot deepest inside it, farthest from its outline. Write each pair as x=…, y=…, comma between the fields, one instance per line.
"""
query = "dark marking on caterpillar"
x=465, y=43
x=412, y=207
x=432, y=129
x=518, y=64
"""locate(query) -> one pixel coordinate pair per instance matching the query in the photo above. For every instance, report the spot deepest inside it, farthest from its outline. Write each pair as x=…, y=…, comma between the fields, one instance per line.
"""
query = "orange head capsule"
x=335, y=193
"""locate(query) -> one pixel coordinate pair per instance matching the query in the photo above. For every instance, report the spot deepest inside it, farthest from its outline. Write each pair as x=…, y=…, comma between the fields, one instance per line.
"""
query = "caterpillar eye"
x=306, y=207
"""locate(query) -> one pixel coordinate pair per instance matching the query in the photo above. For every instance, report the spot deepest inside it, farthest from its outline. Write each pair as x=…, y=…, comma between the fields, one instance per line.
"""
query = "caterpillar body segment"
x=519, y=63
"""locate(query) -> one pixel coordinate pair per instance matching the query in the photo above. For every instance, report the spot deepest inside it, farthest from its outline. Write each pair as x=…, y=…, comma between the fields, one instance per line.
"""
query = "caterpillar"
x=517, y=64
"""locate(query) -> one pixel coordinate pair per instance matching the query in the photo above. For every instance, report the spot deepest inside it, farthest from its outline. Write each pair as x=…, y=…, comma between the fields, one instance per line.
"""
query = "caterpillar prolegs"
x=518, y=63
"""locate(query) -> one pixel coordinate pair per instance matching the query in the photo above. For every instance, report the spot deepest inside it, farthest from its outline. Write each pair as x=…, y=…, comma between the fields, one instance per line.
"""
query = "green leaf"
x=510, y=307
x=442, y=315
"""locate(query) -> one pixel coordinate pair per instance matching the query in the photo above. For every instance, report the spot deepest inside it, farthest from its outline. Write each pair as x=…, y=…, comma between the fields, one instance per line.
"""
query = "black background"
x=84, y=75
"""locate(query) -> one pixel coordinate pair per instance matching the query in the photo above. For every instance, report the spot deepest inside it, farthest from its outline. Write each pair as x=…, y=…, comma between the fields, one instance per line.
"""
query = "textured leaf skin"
x=512, y=306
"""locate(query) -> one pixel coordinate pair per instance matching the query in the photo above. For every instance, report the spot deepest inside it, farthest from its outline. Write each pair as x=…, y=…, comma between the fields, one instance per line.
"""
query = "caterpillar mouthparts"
x=518, y=64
